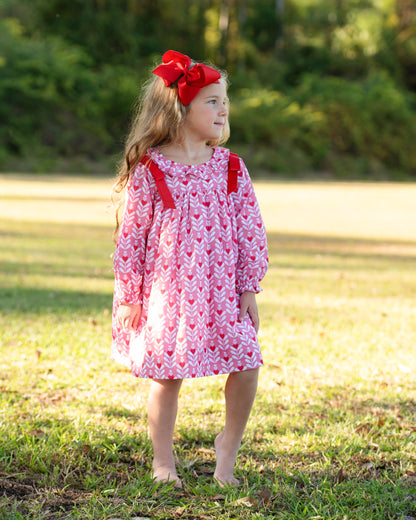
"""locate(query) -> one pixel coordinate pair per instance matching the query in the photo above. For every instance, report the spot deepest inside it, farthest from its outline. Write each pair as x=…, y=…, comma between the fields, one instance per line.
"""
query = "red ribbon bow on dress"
x=191, y=78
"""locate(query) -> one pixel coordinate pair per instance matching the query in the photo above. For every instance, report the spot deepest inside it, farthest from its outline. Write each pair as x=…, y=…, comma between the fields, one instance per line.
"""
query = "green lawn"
x=333, y=430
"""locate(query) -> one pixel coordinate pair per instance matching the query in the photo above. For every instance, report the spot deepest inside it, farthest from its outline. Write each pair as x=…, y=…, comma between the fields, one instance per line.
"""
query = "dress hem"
x=125, y=362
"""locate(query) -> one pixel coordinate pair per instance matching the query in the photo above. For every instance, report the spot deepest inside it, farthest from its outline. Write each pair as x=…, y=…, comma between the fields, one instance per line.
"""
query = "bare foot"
x=168, y=475
x=226, y=457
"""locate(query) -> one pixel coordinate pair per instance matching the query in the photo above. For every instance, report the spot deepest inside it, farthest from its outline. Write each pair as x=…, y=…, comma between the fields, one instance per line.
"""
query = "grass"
x=333, y=431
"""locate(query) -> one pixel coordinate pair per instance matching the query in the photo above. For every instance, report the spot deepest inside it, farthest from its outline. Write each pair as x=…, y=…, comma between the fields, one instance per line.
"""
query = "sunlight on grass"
x=359, y=210
x=333, y=430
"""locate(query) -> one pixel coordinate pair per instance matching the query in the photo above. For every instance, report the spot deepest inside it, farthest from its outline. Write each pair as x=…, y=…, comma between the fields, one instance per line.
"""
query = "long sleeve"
x=253, y=259
x=130, y=252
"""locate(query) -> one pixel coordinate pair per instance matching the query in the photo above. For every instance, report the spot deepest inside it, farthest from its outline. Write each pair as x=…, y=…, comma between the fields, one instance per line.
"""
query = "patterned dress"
x=188, y=267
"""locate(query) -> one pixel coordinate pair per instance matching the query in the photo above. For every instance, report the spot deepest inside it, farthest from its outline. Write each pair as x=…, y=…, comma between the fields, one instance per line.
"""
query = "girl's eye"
x=212, y=101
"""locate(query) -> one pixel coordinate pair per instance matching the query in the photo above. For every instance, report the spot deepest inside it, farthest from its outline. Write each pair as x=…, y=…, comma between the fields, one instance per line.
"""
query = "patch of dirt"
x=11, y=488
x=55, y=502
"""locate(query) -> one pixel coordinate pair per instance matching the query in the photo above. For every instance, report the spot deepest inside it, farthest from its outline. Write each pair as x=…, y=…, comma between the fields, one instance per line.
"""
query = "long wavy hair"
x=157, y=120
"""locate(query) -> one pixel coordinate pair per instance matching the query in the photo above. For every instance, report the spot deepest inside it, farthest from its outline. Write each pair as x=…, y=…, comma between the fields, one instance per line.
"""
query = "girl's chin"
x=217, y=132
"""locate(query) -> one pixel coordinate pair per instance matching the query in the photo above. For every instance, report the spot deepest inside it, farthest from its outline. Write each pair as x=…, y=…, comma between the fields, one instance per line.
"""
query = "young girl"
x=190, y=253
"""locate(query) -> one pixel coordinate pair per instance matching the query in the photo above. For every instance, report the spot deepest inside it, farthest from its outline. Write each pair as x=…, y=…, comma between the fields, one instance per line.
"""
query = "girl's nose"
x=224, y=110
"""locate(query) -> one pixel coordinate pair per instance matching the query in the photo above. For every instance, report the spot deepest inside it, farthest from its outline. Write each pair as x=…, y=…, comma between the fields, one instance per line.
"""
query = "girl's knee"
x=246, y=376
x=166, y=386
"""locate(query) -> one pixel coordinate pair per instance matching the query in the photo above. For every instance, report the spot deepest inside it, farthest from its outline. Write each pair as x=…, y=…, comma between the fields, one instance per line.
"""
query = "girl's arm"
x=130, y=253
x=253, y=259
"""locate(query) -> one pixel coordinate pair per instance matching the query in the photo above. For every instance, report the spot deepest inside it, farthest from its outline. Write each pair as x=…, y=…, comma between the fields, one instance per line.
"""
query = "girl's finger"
x=255, y=319
x=136, y=320
x=242, y=313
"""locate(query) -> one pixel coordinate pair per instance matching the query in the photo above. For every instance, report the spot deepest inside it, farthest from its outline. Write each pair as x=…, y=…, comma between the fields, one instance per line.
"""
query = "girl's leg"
x=162, y=410
x=240, y=391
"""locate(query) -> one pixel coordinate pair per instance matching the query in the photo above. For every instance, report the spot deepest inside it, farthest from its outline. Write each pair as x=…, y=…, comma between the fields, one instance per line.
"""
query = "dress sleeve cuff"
x=126, y=290
x=248, y=285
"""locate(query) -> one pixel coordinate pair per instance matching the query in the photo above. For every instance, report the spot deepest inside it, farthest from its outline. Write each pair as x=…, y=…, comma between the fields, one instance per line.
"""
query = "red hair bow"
x=192, y=79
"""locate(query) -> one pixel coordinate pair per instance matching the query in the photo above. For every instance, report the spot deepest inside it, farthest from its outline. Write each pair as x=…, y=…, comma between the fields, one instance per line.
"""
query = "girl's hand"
x=248, y=305
x=128, y=315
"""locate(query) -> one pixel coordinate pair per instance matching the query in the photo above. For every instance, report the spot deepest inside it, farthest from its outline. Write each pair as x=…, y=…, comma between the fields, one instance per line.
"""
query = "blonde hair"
x=157, y=119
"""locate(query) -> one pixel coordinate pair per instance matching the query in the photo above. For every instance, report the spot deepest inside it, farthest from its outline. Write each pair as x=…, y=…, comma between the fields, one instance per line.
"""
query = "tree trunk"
x=224, y=23
x=241, y=23
x=280, y=11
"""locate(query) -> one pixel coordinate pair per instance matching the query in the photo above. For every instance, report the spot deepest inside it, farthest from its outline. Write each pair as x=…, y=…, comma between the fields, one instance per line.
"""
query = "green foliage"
x=45, y=85
x=372, y=119
x=312, y=80
x=326, y=121
x=51, y=98
x=125, y=32
x=289, y=135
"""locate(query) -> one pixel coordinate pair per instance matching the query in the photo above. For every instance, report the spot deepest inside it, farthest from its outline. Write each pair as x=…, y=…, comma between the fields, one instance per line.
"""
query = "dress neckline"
x=156, y=152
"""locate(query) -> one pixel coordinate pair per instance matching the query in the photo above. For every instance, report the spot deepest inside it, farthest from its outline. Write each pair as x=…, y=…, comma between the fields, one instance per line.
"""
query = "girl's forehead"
x=214, y=89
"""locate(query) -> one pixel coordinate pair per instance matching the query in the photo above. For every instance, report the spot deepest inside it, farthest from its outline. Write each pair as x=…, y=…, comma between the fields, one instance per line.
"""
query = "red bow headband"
x=192, y=79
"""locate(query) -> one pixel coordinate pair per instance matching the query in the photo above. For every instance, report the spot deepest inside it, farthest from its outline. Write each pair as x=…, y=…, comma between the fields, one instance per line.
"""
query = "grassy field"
x=333, y=431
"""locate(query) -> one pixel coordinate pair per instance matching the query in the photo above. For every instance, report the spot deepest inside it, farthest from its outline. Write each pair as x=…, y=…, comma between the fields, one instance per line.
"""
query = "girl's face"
x=208, y=113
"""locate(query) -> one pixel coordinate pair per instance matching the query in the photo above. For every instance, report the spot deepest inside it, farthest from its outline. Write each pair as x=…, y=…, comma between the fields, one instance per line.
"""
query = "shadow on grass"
x=77, y=251
x=61, y=240
x=53, y=230
x=49, y=301
x=75, y=269
x=341, y=252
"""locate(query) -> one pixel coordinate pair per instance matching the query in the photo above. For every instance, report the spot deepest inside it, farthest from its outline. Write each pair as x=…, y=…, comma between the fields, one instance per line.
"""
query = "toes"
x=170, y=480
x=167, y=478
x=226, y=482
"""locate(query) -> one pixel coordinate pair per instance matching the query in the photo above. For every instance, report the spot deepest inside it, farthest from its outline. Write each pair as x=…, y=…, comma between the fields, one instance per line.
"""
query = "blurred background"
x=318, y=87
